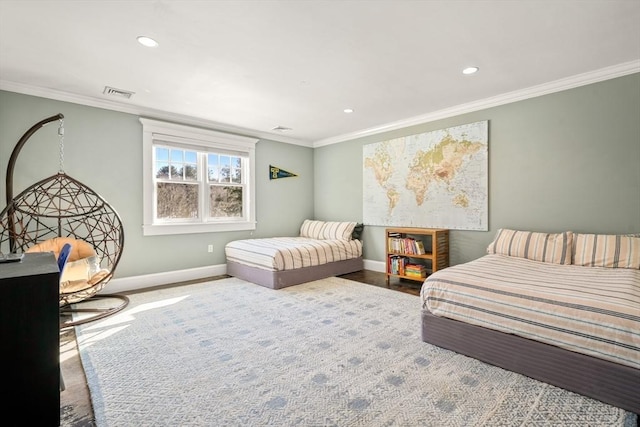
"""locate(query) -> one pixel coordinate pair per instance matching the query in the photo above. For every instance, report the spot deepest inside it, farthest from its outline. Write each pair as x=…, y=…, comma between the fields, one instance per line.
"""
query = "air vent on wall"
x=112, y=91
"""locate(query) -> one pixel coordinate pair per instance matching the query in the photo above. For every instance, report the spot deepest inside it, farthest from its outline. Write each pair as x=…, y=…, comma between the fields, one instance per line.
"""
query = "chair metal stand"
x=101, y=313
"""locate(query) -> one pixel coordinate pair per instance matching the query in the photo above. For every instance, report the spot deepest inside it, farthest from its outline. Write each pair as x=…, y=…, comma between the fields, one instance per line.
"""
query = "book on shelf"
x=397, y=264
x=405, y=245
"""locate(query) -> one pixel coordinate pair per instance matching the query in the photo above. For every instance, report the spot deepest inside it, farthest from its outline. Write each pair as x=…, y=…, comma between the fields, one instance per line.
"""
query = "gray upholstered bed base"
x=611, y=383
x=282, y=279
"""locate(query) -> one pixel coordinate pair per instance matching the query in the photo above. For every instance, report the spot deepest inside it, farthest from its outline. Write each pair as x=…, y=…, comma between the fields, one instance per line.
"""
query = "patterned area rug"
x=328, y=353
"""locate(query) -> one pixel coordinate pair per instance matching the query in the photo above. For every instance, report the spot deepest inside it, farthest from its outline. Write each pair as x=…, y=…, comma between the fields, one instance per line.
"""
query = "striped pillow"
x=327, y=230
x=545, y=247
x=607, y=250
x=311, y=229
x=338, y=230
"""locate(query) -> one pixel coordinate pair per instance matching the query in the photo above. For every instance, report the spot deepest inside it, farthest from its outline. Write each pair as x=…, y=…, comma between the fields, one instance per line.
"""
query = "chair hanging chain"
x=61, y=135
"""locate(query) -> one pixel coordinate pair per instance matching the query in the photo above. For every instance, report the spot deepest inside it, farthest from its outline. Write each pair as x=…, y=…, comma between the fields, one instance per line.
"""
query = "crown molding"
x=143, y=112
x=506, y=98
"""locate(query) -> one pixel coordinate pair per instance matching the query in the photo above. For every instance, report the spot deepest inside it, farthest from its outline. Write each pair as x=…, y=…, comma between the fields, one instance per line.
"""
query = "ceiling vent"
x=112, y=91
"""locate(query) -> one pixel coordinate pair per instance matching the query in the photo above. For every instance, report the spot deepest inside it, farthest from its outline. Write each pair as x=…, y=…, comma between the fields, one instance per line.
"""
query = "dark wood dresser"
x=29, y=310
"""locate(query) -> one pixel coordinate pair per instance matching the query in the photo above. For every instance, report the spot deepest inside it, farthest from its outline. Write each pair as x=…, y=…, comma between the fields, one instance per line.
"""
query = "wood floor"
x=75, y=401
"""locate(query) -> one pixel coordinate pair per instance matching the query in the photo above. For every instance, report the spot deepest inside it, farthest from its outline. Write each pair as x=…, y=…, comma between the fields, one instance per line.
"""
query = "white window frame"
x=155, y=132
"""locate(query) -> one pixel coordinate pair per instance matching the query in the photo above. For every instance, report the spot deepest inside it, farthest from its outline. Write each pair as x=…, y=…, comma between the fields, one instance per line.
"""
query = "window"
x=196, y=180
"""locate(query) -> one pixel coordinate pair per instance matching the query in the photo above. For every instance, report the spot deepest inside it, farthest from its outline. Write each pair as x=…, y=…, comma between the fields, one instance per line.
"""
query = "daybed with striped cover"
x=323, y=249
x=561, y=308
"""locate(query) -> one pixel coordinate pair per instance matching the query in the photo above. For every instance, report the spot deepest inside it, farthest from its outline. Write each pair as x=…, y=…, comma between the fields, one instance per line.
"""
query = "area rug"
x=327, y=353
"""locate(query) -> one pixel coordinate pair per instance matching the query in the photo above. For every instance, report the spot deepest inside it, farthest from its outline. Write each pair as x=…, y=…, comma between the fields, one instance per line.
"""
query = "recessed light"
x=348, y=110
x=147, y=41
x=470, y=70
x=281, y=129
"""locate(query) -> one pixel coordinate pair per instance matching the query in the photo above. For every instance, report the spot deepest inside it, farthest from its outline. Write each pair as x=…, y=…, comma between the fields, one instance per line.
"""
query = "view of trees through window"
x=225, y=201
x=177, y=200
x=180, y=188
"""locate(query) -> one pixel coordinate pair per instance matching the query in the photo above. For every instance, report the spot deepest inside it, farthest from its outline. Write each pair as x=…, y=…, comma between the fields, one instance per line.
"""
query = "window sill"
x=167, y=229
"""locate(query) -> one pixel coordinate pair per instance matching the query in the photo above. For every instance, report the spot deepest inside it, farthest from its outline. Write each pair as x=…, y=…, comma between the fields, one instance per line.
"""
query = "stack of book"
x=415, y=270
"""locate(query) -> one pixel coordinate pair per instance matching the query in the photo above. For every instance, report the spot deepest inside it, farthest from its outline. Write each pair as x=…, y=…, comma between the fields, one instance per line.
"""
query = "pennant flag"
x=275, y=173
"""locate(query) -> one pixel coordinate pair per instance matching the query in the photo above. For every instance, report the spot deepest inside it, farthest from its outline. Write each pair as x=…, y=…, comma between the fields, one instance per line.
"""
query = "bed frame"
x=282, y=279
x=609, y=382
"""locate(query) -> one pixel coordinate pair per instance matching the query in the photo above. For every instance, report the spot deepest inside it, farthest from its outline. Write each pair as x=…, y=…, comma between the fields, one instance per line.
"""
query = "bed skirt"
x=606, y=381
x=282, y=279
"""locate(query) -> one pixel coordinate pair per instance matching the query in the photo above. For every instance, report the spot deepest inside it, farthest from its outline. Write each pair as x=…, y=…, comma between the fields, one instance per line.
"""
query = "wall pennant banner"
x=276, y=173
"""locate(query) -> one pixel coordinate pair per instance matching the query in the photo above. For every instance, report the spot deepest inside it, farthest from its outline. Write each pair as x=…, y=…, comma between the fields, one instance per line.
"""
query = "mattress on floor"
x=589, y=310
x=290, y=253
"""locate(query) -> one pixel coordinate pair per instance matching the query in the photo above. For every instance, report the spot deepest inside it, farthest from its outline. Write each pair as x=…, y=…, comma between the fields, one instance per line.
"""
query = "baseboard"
x=378, y=266
x=136, y=283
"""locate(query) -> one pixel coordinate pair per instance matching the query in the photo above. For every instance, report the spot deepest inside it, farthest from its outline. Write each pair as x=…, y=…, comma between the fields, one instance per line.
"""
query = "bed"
x=561, y=308
x=322, y=249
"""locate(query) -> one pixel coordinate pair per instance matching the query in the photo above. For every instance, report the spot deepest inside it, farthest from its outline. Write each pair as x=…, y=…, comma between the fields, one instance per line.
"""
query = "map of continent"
x=437, y=179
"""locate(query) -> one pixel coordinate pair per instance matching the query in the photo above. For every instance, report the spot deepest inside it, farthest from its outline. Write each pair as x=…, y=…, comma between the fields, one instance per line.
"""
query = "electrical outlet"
x=210, y=248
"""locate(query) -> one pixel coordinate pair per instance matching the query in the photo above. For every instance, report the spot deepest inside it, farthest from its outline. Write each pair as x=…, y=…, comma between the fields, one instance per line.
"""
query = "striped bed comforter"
x=289, y=253
x=589, y=310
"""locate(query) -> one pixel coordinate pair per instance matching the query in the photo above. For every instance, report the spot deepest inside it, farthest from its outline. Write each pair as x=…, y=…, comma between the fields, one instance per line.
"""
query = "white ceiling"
x=250, y=66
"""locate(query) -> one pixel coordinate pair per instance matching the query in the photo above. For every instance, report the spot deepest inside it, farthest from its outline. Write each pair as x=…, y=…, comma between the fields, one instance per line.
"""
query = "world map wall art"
x=437, y=179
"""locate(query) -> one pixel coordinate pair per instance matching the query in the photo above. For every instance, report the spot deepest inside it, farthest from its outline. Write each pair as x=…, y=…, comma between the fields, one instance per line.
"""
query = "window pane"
x=225, y=165
x=162, y=170
x=236, y=171
x=162, y=154
x=191, y=157
x=177, y=200
x=213, y=173
x=177, y=156
x=212, y=165
x=225, y=201
x=191, y=172
x=191, y=166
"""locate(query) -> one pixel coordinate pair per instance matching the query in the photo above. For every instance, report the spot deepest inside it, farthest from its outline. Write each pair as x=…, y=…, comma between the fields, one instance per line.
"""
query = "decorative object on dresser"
x=414, y=253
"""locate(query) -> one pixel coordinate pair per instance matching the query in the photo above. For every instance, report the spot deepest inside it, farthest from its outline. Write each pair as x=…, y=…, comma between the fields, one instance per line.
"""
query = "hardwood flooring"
x=75, y=400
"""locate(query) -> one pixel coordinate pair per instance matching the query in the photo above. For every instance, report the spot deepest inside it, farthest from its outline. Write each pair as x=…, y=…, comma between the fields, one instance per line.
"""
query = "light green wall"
x=103, y=150
x=564, y=161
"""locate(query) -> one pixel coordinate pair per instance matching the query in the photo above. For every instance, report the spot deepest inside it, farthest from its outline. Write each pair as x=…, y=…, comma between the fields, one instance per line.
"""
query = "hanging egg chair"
x=61, y=210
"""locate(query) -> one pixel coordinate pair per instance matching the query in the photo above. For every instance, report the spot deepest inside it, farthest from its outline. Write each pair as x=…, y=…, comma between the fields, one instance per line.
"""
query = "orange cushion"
x=79, y=248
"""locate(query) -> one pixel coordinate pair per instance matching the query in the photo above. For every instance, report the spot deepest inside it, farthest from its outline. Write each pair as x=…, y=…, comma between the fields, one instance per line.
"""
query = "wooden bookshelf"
x=406, y=260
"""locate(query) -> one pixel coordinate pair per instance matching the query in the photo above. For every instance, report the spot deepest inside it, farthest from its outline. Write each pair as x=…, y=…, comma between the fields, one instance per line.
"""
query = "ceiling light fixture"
x=147, y=41
x=281, y=129
x=470, y=70
x=348, y=110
